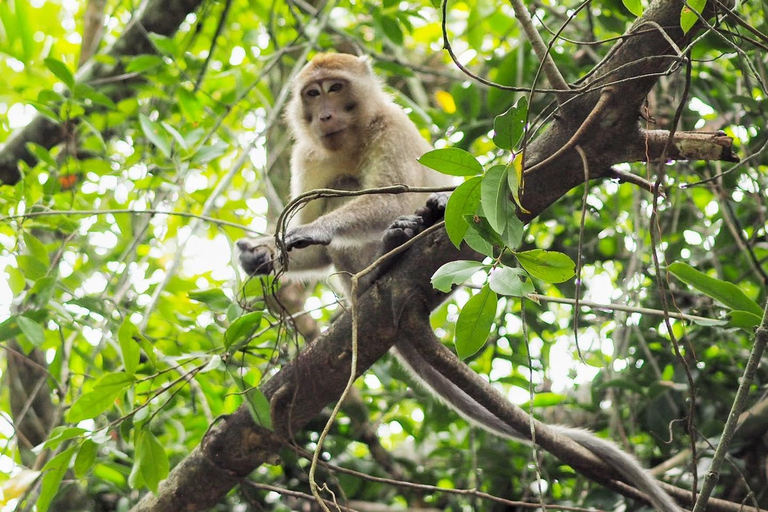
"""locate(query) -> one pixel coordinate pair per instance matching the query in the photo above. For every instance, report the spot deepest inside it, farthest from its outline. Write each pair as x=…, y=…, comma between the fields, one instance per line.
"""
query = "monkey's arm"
x=363, y=219
x=259, y=256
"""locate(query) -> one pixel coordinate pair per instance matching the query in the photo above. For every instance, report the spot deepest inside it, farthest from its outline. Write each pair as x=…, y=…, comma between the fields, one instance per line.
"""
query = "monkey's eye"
x=336, y=87
x=312, y=93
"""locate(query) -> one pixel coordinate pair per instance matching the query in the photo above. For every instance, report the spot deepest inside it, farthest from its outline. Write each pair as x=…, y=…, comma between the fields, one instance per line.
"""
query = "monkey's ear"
x=366, y=59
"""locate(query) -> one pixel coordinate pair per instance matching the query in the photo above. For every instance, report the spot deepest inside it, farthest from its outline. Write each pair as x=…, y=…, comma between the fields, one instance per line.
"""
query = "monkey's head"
x=332, y=100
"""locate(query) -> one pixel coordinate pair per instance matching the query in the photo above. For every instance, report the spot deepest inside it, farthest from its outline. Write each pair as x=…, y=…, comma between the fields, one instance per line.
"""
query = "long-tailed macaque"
x=350, y=135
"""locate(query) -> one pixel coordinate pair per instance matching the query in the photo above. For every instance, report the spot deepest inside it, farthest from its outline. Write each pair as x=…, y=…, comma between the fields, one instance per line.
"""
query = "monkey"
x=350, y=135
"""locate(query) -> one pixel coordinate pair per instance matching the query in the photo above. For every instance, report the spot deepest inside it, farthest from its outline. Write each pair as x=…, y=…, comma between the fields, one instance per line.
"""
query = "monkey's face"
x=330, y=111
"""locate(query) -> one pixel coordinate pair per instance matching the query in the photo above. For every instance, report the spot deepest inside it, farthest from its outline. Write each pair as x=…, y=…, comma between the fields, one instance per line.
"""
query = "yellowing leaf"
x=445, y=100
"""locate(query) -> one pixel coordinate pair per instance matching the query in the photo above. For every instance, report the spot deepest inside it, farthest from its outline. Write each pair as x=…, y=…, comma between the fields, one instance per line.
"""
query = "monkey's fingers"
x=301, y=237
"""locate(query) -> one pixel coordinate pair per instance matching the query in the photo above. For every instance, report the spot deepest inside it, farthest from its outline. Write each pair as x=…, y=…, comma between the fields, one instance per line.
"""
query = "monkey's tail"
x=460, y=401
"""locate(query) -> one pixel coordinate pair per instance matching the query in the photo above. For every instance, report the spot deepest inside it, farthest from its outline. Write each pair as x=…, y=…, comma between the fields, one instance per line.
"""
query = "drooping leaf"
x=129, y=348
x=452, y=161
x=453, y=273
x=474, y=323
x=549, y=266
x=86, y=457
x=33, y=331
x=463, y=201
x=54, y=473
x=516, y=180
x=494, y=196
x=259, y=407
x=151, y=460
x=153, y=133
x=728, y=294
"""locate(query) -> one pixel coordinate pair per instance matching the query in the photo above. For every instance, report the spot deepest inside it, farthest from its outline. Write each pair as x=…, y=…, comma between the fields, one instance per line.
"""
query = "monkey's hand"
x=257, y=257
x=304, y=236
x=408, y=226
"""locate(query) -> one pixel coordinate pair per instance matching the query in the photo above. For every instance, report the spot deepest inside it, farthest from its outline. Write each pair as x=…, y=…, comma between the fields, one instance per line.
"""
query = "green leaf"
x=392, y=29
x=634, y=6
x=238, y=334
x=259, y=407
x=690, y=14
x=475, y=321
x=85, y=91
x=153, y=133
x=727, y=293
x=16, y=281
x=547, y=400
x=494, y=196
x=515, y=179
x=175, y=134
x=509, y=127
x=129, y=348
x=453, y=273
x=33, y=331
x=54, y=473
x=86, y=457
x=151, y=460
x=25, y=29
x=42, y=154
x=215, y=298
x=61, y=71
x=452, y=161
x=463, y=201
x=744, y=319
x=103, y=396
x=60, y=434
x=36, y=249
x=513, y=234
x=141, y=63
x=549, y=266
x=31, y=267
x=482, y=227
x=513, y=282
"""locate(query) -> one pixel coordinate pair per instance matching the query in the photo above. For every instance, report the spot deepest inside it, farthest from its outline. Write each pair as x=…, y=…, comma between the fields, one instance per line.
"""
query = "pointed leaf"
x=54, y=473
x=453, y=273
x=463, y=201
x=475, y=321
x=452, y=161
x=153, y=133
x=241, y=329
x=727, y=293
x=494, y=196
x=549, y=266
x=129, y=347
x=61, y=71
x=513, y=282
x=509, y=127
x=103, y=396
x=151, y=460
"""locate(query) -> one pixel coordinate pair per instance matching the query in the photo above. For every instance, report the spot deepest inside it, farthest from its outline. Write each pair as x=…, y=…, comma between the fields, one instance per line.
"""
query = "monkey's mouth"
x=332, y=134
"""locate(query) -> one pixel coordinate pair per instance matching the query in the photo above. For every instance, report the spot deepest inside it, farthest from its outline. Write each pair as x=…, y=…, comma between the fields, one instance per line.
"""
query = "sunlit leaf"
x=453, y=273
x=549, y=266
x=151, y=460
x=241, y=330
x=452, y=161
x=129, y=348
x=474, y=323
x=103, y=396
x=61, y=71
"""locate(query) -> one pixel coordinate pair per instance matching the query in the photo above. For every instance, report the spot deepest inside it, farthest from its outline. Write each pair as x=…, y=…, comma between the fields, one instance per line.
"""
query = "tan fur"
x=377, y=145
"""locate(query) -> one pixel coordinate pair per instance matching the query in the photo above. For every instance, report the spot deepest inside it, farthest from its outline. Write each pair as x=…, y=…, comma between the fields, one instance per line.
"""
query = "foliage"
x=116, y=247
